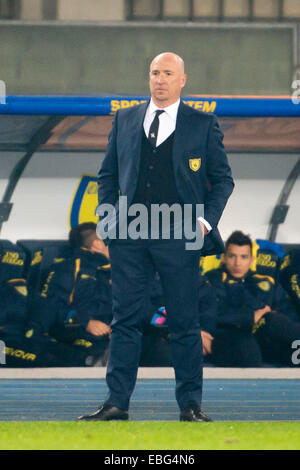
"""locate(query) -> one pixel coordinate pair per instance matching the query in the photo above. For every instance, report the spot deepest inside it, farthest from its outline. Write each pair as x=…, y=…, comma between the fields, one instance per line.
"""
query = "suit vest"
x=156, y=182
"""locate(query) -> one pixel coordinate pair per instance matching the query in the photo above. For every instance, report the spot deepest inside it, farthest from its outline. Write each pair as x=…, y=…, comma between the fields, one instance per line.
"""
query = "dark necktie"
x=153, y=131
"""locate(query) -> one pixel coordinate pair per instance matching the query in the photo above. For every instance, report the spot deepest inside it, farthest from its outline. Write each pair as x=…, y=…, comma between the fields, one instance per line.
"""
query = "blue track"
x=223, y=400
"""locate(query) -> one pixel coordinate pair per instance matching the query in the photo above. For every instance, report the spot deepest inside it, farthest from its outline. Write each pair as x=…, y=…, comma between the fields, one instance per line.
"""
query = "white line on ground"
x=148, y=373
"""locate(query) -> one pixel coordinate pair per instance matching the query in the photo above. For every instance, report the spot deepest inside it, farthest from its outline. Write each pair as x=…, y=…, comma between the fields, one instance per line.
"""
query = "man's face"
x=166, y=79
x=238, y=260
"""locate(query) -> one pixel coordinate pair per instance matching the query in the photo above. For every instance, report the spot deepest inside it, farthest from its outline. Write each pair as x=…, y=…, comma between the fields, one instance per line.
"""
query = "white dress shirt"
x=167, y=120
x=167, y=124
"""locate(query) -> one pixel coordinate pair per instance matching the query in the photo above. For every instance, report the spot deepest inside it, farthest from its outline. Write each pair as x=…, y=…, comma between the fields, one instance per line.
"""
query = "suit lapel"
x=182, y=133
x=136, y=133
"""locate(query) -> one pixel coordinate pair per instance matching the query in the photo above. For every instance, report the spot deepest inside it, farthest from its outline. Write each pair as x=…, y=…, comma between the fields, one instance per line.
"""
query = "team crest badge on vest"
x=264, y=285
x=194, y=163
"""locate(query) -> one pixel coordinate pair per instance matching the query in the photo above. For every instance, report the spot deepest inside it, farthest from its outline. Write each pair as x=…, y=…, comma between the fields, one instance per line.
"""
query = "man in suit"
x=161, y=152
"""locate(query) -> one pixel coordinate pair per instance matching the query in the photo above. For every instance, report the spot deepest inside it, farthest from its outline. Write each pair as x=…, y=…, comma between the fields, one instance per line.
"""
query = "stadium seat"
x=288, y=247
x=12, y=261
x=267, y=263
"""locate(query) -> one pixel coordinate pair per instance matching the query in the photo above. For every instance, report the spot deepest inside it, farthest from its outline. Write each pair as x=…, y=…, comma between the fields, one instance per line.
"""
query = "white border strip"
x=148, y=373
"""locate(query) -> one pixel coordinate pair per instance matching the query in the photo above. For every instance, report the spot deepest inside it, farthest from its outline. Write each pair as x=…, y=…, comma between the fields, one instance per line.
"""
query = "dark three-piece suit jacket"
x=201, y=170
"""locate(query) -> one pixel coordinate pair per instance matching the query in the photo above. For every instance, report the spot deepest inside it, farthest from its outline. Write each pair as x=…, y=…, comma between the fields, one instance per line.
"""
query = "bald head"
x=166, y=78
x=171, y=57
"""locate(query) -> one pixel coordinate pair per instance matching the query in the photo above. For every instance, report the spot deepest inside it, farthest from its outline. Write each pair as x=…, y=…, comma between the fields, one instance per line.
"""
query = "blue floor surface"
x=153, y=399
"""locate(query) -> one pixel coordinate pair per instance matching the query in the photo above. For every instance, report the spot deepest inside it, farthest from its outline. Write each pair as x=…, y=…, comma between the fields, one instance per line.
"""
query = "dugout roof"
x=268, y=124
x=81, y=124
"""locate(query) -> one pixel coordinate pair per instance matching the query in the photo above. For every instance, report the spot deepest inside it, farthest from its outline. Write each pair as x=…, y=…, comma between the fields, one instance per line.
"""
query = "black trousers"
x=235, y=348
x=276, y=337
x=271, y=343
x=83, y=343
x=133, y=263
x=156, y=347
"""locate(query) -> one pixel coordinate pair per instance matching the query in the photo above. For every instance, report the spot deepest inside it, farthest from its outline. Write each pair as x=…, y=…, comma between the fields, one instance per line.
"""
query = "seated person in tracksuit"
x=289, y=277
x=17, y=348
x=255, y=321
x=13, y=317
x=75, y=305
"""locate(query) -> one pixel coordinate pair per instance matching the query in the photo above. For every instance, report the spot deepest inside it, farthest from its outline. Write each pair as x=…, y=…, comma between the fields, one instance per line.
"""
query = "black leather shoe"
x=106, y=413
x=193, y=413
